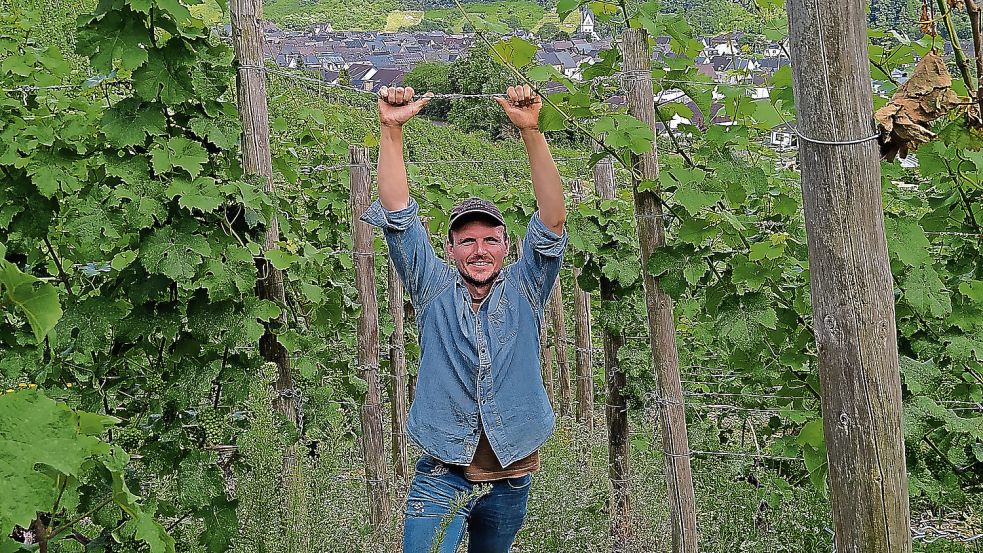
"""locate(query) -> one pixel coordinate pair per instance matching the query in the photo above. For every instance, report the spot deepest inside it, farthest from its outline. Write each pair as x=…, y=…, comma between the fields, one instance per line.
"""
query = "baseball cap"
x=471, y=208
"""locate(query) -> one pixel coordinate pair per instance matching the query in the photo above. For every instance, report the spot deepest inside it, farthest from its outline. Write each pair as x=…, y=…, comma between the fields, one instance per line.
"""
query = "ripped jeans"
x=491, y=520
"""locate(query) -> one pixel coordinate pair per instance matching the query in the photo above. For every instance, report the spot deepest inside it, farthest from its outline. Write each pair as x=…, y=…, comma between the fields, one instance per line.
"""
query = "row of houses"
x=377, y=59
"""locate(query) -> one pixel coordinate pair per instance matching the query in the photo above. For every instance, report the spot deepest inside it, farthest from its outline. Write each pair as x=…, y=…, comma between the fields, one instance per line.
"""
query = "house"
x=387, y=77
x=783, y=137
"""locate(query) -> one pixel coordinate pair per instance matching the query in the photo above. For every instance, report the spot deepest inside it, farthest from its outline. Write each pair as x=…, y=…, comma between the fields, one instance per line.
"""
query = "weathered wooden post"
x=368, y=338
x=247, y=43
x=616, y=407
x=560, y=348
x=852, y=289
x=659, y=306
x=397, y=362
x=582, y=334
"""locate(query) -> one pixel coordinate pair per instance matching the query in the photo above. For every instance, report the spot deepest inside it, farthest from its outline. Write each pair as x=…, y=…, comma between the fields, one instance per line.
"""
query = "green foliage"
x=52, y=458
x=35, y=300
x=355, y=15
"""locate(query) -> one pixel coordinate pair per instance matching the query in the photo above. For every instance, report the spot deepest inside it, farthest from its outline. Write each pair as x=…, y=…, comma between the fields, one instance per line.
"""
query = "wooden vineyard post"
x=397, y=361
x=368, y=339
x=247, y=43
x=616, y=407
x=851, y=285
x=658, y=304
x=560, y=348
x=581, y=321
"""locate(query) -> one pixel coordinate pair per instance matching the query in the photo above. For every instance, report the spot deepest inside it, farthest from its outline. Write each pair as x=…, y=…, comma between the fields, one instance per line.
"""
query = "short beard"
x=475, y=282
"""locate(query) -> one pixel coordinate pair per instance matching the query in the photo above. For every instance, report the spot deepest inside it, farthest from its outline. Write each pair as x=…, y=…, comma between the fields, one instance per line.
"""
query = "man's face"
x=478, y=250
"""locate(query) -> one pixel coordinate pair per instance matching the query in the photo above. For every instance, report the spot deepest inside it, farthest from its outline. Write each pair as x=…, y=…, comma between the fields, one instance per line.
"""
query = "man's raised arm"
x=396, y=107
x=522, y=108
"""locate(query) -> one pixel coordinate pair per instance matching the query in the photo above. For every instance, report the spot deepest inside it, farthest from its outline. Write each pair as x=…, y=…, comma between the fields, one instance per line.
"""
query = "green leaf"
x=201, y=193
x=812, y=434
x=36, y=433
x=964, y=348
x=697, y=231
x=175, y=253
x=565, y=7
x=675, y=266
x=281, y=259
x=179, y=152
x=625, y=131
x=514, y=51
x=123, y=259
x=766, y=249
x=972, y=289
x=925, y=292
x=37, y=301
x=550, y=119
x=919, y=376
x=693, y=191
x=117, y=36
x=222, y=132
x=741, y=320
x=817, y=465
x=130, y=121
x=166, y=76
x=907, y=241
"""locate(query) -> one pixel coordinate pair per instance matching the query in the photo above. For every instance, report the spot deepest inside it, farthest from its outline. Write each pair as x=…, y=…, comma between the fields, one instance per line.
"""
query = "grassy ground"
x=355, y=15
x=399, y=19
x=528, y=13
x=567, y=506
x=568, y=25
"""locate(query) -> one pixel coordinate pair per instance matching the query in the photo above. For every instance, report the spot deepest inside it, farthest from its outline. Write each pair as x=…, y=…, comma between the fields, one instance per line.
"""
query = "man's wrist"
x=529, y=130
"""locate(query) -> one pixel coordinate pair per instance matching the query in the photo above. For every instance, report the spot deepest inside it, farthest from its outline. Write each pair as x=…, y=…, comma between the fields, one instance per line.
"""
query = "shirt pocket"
x=503, y=320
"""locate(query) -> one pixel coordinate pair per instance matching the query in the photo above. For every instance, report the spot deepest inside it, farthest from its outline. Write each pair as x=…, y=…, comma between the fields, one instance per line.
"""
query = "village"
x=370, y=60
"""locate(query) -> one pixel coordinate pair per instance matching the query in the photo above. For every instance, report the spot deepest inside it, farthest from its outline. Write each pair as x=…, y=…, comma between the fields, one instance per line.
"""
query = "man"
x=481, y=412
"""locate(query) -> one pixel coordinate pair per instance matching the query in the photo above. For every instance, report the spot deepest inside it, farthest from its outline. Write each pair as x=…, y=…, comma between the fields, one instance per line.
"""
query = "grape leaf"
x=925, y=292
x=964, y=348
x=115, y=37
x=179, y=152
x=36, y=300
x=973, y=290
x=130, y=121
x=919, y=375
x=907, y=241
x=222, y=132
x=742, y=320
x=36, y=432
x=201, y=193
x=175, y=253
x=166, y=76
x=514, y=51
x=693, y=191
x=812, y=434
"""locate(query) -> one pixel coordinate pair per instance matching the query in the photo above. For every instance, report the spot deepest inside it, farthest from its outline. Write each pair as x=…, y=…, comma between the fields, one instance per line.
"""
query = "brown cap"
x=471, y=207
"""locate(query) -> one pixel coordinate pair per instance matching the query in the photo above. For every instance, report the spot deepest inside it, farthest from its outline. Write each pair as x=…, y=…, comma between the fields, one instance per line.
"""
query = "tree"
x=551, y=32
x=477, y=73
x=431, y=76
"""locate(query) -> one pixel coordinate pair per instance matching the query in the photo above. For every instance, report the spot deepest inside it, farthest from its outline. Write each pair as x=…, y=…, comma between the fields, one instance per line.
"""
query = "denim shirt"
x=475, y=368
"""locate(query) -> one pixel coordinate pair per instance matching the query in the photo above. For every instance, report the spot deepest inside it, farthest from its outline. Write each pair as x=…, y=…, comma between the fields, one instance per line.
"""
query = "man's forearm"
x=545, y=180
x=394, y=190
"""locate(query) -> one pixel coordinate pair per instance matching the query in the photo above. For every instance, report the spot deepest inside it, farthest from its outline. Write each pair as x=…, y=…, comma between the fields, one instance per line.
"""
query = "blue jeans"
x=491, y=521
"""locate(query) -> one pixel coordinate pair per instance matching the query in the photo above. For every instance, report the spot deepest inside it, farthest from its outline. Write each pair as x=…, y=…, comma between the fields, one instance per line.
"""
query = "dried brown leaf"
x=905, y=121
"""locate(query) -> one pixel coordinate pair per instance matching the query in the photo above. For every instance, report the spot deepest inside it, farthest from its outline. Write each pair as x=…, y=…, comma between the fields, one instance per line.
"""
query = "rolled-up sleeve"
x=412, y=255
x=542, y=255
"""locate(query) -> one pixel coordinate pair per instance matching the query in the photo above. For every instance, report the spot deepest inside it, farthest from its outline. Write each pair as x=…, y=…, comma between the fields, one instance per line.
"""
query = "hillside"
x=391, y=15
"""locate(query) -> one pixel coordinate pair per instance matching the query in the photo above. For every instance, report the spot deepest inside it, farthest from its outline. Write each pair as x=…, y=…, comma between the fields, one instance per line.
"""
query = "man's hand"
x=522, y=107
x=396, y=105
